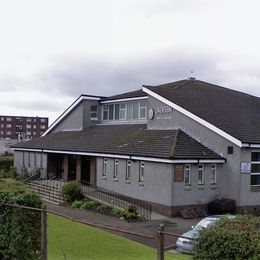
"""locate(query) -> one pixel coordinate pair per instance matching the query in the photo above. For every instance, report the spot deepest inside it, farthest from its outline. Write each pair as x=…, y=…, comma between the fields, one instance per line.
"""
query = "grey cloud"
x=75, y=75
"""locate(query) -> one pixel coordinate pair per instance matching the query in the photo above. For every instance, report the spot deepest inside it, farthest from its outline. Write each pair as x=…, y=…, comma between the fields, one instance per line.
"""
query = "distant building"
x=22, y=127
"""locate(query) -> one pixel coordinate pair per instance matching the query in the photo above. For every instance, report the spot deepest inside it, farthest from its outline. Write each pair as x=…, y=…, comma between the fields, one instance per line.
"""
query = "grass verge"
x=71, y=240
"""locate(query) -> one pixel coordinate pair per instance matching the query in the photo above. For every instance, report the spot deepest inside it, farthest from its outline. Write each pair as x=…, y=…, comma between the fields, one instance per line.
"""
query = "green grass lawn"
x=70, y=240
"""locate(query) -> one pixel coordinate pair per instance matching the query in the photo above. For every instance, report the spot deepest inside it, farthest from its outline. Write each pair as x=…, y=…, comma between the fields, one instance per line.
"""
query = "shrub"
x=237, y=238
x=71, y=191
x=89, y=204
x=20, y=228
x=117, y=212
x=130, y=213
x=77, y=204
x=104, y=209
x=6, y=163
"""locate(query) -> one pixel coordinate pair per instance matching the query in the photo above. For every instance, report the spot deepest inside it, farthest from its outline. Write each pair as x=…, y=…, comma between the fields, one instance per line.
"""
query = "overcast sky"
x=51, y=51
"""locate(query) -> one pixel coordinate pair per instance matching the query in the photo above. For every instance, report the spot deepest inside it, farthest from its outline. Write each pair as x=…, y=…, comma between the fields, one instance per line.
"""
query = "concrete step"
x=47, y=193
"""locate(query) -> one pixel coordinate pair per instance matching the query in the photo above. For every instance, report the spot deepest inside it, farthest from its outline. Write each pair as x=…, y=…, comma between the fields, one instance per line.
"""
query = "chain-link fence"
x=48, y=235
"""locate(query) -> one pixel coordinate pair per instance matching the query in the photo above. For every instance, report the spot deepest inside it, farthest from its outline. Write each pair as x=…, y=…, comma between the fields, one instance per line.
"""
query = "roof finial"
x=191, y=75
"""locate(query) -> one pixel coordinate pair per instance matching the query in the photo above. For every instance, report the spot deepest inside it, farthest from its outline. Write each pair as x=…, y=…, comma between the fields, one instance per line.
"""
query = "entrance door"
x=85, y=169
x=72, y=166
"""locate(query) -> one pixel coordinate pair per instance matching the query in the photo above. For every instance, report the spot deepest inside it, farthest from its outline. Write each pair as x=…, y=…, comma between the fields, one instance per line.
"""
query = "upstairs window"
x=255, y=169
x=125, y=111
x=93, y=113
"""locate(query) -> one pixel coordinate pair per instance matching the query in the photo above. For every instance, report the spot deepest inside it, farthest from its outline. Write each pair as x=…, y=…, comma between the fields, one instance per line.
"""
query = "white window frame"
x=105, y=109
x=201, y=174
x=142, y=107
x=128, y=170
x=123, y=110
x=213, y=174
x=94, y=112
x=187, y=174
x=104, y=170
x=141, y=172
x=116, y=169
x=254, y=173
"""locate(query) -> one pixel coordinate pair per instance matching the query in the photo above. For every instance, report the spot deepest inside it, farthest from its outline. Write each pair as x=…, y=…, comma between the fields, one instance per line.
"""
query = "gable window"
x=116, y=168
x=105, y=112
x=125, y=111
x=141, y=172
x=142, y=109
x=200, y=174
x=104, y=172
x=128, y=170
x=187, y=171
x=255, y=169
x=93, y=113
x=213, y=174
x=122, y=111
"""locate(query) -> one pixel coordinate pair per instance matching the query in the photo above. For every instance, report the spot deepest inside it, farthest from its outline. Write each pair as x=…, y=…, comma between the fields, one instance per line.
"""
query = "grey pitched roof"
x=132, y=94
x=125, y=140
x=236, y=113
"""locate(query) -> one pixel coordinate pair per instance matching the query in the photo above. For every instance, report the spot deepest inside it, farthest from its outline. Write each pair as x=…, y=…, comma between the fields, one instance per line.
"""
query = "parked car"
x=185, y=242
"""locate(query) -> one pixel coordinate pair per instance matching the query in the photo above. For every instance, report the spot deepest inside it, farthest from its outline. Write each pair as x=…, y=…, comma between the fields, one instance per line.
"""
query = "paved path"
x=173, y=225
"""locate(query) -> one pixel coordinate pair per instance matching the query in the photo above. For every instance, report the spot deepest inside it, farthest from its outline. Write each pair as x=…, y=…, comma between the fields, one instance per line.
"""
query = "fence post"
x=44, y=253
x=160, y=236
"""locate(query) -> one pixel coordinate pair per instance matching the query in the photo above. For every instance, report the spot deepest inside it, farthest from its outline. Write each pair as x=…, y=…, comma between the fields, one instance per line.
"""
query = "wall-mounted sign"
x=163, y=110
x=245, y=167
x=178, y=173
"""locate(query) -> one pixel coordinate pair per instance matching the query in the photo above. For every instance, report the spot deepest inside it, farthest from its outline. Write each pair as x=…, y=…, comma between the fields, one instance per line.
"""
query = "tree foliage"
x=20, y=228
x=237, y=238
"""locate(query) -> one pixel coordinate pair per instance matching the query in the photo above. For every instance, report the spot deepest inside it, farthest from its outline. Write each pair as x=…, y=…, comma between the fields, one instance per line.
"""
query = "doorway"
x=85, y=169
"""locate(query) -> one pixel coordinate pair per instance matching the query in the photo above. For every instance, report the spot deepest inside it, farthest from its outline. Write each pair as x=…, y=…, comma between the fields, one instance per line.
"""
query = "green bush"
x=104, y=209
x=237, y=238
x=130, y=213
x=117, y=212
x=77, y=204
x=20, y=228
x=71, y=191
x=89, y=204
x=11, y=173
x=6, y=163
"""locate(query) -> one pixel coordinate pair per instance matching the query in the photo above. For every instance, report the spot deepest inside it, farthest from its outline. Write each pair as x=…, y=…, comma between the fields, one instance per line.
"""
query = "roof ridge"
x=173, y=150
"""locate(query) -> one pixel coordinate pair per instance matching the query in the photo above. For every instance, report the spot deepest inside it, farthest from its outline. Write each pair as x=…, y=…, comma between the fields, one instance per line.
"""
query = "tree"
x=237, y=238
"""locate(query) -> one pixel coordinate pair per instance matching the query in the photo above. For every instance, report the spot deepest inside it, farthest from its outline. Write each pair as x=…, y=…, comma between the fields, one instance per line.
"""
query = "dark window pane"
x=255, y=168
x=116, y=111
x=105, y=115
x=256, y=157
x=255, y=179
x=93, y=108
x=111, y=112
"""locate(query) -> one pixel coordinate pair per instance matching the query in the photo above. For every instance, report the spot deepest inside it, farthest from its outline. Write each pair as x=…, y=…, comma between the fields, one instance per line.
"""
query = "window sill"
x=187, y=187
x=104, y=177
x=255, y=188
x=127, y=181
x=200, y=187
x=213, y=186
x=115, y=179
x=141, y=183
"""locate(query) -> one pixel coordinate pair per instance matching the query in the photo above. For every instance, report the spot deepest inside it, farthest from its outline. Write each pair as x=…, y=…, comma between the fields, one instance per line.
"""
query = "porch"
x=70, y=167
